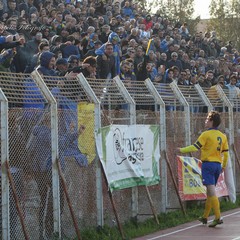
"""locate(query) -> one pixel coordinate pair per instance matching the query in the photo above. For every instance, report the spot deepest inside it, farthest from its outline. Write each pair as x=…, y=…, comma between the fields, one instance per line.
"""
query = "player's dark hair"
x=215, y=117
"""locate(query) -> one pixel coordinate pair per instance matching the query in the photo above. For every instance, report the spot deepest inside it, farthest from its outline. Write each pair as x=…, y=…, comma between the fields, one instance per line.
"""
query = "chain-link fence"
x=54, y=182
x=25, y=109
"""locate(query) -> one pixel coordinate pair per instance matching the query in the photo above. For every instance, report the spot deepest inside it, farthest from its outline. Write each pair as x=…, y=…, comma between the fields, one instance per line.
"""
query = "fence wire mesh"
x=26, y=108
x=147, y=112
x=76, y=152
x=30, y=142
x=166, y=92
x=114, y=110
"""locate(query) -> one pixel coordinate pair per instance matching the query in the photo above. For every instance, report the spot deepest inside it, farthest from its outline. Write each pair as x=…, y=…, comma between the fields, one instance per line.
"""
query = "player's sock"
x=208, y=207
x=216, y=207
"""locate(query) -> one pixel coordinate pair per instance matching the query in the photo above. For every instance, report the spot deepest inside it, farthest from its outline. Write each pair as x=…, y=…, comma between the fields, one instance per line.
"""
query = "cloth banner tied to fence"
x=86, y=141
x=129, y=155
x=190, y=180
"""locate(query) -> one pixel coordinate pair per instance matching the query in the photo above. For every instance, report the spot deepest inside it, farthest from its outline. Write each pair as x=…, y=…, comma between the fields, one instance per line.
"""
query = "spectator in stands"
x=170, y=51
x=193, y=80
x=106, y=64
x=176, y=73
x=21, y=57
x=234, y=92
x=201, y=79
x=88, y=68
x=190, y=76
x=139, y=57
x=185, y=61
x=8, y=41
x=91, y=52
x=32, y=63
x=210, y=77
x=212, y=50
x=174, y=61
x=162, y=60
x=169, y=76
x=127, y=73
x=207, y=83
x=61, y=66
x=73, y=62
x=57, y=22
x=47, y=64
x=105, y=33
x=182, y=80
x=66, y=21
x=229, y=46
x=201, y=65
x=70, y=48
x=152, y=57
x=12, y=9
x=6, y=57
x=127, y=10
x=183, y=30
x=148, y=22
x=32, y=45
x=213, y=92
x=146, y=69
x=114, y=39
x=130, y=54
x=12, y=26
x=221, y=82
x=99, y=8
x=133, y=35
x=55, y=44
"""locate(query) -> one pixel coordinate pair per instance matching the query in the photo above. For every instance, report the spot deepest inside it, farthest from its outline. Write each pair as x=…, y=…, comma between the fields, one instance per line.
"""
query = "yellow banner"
x=86, y=141
x=190, y=180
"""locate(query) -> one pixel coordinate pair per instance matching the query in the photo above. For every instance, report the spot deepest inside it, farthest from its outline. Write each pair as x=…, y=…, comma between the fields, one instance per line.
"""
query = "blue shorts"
x=210, y=172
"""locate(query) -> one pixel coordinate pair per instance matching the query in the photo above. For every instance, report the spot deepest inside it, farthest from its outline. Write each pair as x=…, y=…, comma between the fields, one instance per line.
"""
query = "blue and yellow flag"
x=150, y=46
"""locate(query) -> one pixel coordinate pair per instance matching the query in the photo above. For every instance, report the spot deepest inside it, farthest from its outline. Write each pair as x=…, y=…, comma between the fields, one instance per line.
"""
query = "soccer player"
x=214, y=155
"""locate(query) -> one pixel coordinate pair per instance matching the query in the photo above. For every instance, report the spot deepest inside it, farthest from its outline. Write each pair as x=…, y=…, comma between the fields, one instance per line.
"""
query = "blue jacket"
x=32, y=95
x=45, y=58
x=70, y=50
x=2, y=39
x=68, y=147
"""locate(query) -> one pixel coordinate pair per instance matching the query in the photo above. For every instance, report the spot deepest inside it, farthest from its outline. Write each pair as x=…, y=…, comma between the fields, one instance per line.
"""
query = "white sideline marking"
x=183, y=229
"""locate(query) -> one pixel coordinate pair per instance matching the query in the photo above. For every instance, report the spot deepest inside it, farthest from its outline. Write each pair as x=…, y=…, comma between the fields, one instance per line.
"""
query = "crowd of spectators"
x=103, y=39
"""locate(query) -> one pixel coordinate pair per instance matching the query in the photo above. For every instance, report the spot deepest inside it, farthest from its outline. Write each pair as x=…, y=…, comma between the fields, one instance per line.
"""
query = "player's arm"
x=225, y=155
x=191, y=148
x=196, y=146
x=225, y=159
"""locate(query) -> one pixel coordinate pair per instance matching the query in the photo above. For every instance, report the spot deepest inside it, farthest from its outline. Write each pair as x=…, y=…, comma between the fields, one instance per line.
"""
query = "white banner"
x=129, y=154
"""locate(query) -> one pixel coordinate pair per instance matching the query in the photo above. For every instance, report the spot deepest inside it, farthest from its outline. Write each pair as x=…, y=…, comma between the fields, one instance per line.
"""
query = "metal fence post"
x=55, y=155
x=227, y=102
x=183, y=101
x=132, y=106
x=163, y=147
x=4, y=158
x=97, y=118
x=203, y=96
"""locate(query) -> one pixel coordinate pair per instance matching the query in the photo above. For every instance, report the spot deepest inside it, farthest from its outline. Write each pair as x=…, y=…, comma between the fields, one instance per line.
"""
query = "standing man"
x=214, y=156
x=106, y=66
x=115, y=40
